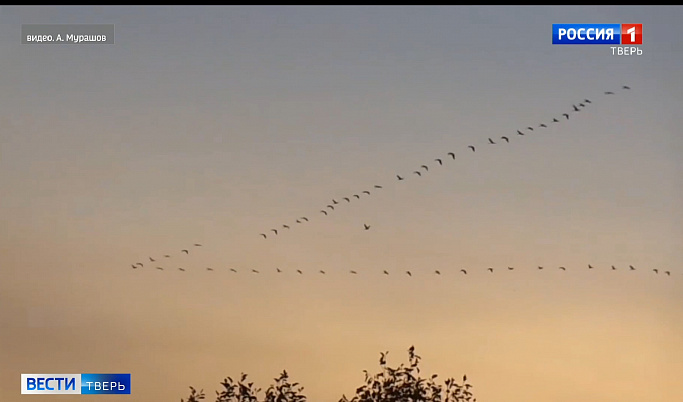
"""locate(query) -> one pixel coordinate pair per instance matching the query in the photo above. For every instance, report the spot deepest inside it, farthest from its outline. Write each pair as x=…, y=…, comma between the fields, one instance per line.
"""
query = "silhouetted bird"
x=463, y=271
x=298, y=221
x=160, y=269
x=555, y=120
x=490, y=269
x=322, y=272
x=472, y=148
x=590, y=266
x=209, y=269
x=614, y=268
x=506, y=139
x=366, y=226
x=609, y=93
x=519, y=132
x=625, y=87
x=540, y=267
x=357, y=196
x=511, y=268
x=543, y=125
x=278, y=270
x=587, y=101
x=656, y=271
x=185, y=251
x=530, y=128
x=347, y=199
x=134, y=266
x=491, y=141
x=197, y=245
x=439, y=160
x=233, y=270
x=566, y=115
x=417, y=173
x=335, y=202
x=353, y=272
x=152, y=259
x=140, y=264
x=167, y=256
x=254, y=271
x=366, y=192
x=399, y=177
x=576, y=109
x=668, y=273
x=285, y=226
x=425, y=168
x=330, y=207
x=264, y=235
x=582, y=105
x=274, y=230
x=632, y=268
x=299, y=271
x=304, y=218
x=409, y=274
x=181, y=269
x=323, y=211
x=452, y=155
x=437, y=272
x=376, y=186
x=385, y=272
x=563, y=268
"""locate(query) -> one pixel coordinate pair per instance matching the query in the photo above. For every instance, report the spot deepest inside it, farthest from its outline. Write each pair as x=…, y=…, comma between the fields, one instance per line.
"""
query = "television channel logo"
x=75, y=384
x=597, y=34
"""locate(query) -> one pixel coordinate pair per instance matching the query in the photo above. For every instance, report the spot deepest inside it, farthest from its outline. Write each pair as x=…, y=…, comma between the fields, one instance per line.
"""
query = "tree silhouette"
x=400, y=384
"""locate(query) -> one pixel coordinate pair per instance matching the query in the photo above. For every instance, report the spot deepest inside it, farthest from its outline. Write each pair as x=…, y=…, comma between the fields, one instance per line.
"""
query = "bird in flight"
x=656, y=271
x=140, y=264
x=167, y=256
x=378, y=186
x=614, y=268
x=590, y=266
x=185, y=251
x=399, y=177
x=437, y=272
x=609, y=93
x=181, y=269
x=233, y=270
x=490, y=269
x=505, y=138
x=134, y=266
x=425, y=167
x=366, y=192
x=152, y=259
x=563, y=268
x=566, y=115
x=278, y=270
x=668, y=273
x=417, y=173
x=209, y=269
x=274, y=230
x=366, y=226
x=555, y=120
x=530, y=128
x=323, y=211
x=285, y=226
x=254, y=271
x=452, y=155
x=587, y=101
x=409, y=274
x=439, y=160
x=335, y=202
x=385, y=272
x=299, y=271
x=540, y=267
x=543, y=125
x=304, y=218
x=632, y=268
x=357, y=196
x=347, y=199
x=353, y=272
x=330, y=207
x=264, y=235
x=491, y=141
x=519, y=132
x=625, y=87
x=472, y=148
x=197, y=245
x=160, y=269
x=576, y=109
x=582, y=105
x=511, y=268
x=322, y=272
x=463, y=271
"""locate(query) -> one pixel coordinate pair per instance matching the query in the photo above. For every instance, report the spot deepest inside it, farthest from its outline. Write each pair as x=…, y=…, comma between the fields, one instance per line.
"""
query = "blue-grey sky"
x=214, y=124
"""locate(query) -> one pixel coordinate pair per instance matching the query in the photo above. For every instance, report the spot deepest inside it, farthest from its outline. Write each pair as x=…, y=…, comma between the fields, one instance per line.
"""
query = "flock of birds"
x=423, y=169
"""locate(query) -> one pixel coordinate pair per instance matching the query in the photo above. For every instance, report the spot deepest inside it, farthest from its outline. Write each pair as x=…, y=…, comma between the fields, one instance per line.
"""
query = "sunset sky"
x=212, y=125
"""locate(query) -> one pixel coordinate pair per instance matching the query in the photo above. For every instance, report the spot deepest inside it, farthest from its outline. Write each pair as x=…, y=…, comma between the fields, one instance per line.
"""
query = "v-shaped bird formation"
x=441, y=161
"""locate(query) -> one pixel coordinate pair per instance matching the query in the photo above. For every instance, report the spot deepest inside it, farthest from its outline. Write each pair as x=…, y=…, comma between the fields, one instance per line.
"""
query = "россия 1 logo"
x=601, y=34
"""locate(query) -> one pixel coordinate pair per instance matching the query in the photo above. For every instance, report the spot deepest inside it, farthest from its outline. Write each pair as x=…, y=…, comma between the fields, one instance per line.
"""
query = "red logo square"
x=631, y=34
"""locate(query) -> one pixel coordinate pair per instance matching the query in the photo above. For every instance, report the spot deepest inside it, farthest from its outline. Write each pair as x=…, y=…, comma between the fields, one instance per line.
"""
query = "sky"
x=212, y=125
